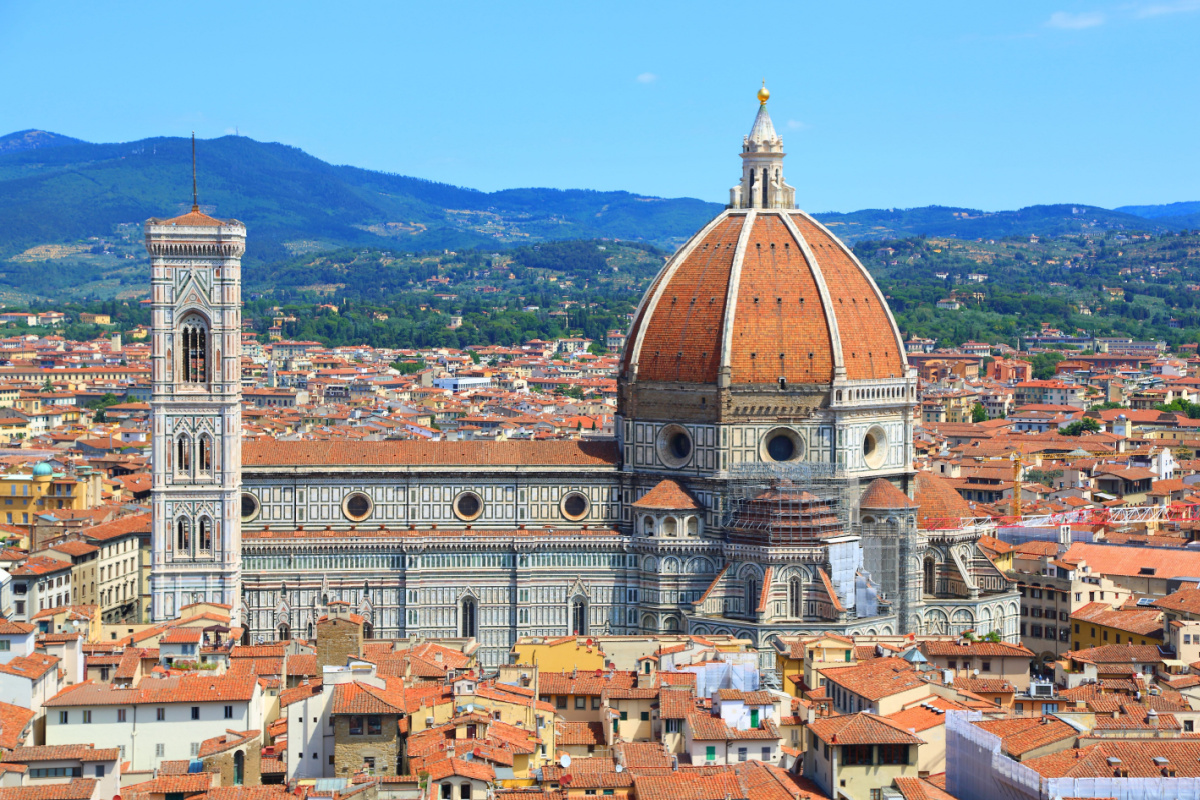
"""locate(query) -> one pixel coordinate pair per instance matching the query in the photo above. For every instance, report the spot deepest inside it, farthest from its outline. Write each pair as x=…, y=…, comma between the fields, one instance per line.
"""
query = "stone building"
x=763, y=388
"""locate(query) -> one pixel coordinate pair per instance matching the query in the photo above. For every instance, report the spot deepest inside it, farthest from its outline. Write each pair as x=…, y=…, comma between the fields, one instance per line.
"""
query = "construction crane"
x=1016, y=497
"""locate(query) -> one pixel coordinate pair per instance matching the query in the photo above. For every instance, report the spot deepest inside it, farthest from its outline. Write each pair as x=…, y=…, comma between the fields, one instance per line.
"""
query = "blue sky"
x=985, y=105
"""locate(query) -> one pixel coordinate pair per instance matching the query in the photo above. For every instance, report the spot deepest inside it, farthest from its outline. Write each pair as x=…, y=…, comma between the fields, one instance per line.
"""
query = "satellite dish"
x=976, y=673
x=618, y=768
x=565, y=761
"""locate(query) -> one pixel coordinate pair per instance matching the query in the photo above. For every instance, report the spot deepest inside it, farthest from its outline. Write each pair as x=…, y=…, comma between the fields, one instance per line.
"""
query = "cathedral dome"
x=764, y=303
x=763, y=297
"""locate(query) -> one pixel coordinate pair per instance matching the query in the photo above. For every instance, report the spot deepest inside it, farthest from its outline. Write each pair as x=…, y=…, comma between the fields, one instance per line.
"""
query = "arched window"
x=693, y=526
x=239, y=768
x=751, y=594
x=284, y=632
x=206, y=453
x=579, y=617
x=930, y=587
x=467, y=619
x=310, y=631
x=670, y=526
x=204, y=543
x=193, y=350
x=464, y=791
x=183, y=537
x=183, y=454
x=795, y=598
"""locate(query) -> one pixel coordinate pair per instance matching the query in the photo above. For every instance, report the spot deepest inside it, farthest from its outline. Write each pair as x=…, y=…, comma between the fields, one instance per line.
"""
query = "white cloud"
x=797, y=125
x=647, y=77
x=1161, y=9
x=1065, y=20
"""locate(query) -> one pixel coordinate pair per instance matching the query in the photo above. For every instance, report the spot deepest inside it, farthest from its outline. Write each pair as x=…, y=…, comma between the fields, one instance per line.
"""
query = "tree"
x=978, y=413
x=1043, y=365
x=1079, y=426
x=47, y=386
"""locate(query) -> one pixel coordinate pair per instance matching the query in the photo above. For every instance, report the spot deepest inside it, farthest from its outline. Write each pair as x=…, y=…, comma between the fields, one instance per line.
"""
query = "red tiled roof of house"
x=33, y=666
x=266, y=792
x=1184, y=600
x=1136, y=758
x=964, y=647
x=578, y=734
x=691, y=784
x=13, y=628
x=914, y=788
x=361, y=698
x=861, y=728
x=75, y=789
x=1142, y=621
x=14, y=724
x=63, y=752
x=226, y=741
x=667, y=494
x=1106, y=559
x=183, y=689
x=1128, y=653
x=1020, y=735
x=875, y=679
x=460, y=768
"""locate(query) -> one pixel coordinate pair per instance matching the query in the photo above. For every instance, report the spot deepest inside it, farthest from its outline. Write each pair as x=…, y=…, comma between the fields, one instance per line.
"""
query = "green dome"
x=42, y=470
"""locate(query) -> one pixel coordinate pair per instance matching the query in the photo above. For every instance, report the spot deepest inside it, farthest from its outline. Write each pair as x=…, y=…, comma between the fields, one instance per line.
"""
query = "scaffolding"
x=788, y=504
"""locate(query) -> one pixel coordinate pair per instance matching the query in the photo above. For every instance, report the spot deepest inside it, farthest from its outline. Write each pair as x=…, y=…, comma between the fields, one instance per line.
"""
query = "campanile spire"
x=762, y=154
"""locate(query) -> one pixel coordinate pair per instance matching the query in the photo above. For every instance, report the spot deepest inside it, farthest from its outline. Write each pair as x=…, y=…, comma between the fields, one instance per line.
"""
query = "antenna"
x=195, y=202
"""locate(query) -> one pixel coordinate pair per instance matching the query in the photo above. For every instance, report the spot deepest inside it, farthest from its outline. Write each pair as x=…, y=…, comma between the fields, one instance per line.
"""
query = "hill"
x=34, y=139
x=293, y=201
x=73, y=212
x=1166, y=210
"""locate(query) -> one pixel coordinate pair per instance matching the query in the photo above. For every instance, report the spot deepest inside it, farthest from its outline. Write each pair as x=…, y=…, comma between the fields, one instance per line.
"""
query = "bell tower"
x=195, y=406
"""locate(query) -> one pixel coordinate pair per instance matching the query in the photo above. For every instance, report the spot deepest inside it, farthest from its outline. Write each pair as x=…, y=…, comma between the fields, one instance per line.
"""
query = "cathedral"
x=760, y=482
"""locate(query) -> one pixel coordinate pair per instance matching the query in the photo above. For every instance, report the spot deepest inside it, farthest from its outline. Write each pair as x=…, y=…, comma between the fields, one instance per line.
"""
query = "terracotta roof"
x=691, y=785
x=1142, y=621
x=14, y=628
x=964, y=647
x=914, y=788
x=668, y=494
x=565, y=453
x=875, y=679
x=777, y=309
x=76, y=789
x=1020, y=735
x=361, y=698
x=861, y=728
x=226, y=741
x=1128, y=653
x=1184, y=600
x=1105, y=559
x=194, y=218
x=1135, y=756
x=881, y=494
x=579, y=733
x=938, y=502
x=64, y=752
x=267, y=792
x=184, y=689
x=14, y=723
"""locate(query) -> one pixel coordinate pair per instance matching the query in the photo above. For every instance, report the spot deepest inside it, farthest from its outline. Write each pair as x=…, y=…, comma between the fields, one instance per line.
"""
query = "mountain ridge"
x=56, y=189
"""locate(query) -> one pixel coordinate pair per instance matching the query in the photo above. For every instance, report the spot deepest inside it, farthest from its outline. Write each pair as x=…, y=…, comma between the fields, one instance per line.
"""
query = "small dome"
x=43, y=470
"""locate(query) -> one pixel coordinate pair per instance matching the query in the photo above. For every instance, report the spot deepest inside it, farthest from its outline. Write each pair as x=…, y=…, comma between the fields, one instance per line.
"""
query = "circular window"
x=782, y=444
x=250, y=506
x=674, y=446
x=875, y=447
x=357, y=506
x=575, y=506
x=468, y=506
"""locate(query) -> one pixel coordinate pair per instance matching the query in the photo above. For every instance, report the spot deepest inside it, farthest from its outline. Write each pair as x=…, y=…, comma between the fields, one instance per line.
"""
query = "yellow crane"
x=1016, y=496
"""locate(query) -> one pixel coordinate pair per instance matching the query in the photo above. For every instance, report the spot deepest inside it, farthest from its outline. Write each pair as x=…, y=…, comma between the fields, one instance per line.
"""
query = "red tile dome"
x=758, y=296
